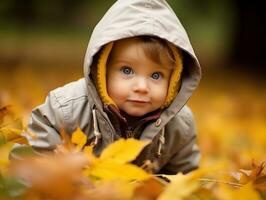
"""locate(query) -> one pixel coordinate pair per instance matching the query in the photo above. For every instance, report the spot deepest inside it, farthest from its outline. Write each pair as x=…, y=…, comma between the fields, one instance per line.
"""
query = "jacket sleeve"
x=186, y=158
x=45, y=123
x=65, y=108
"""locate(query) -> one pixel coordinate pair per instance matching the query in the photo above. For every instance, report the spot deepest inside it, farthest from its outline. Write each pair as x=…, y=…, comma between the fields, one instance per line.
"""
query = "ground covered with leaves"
x=230, y=116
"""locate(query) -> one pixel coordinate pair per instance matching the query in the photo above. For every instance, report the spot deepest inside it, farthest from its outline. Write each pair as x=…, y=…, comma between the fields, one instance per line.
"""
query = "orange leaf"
x=79, y=138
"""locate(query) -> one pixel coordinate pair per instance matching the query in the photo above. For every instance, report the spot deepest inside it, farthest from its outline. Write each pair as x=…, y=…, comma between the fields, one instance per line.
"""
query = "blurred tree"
x=51, y=12
x=220, y=31
x=249, y=47
x=16, y=11
x=210, y=25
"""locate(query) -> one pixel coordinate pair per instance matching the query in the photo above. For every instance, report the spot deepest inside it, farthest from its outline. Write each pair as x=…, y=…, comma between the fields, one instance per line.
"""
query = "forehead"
x=132, y=50
x=125, y=48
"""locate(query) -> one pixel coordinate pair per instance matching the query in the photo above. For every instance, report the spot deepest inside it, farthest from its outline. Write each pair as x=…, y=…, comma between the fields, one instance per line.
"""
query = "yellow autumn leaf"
x=123, y=151
x=88, y=152
x=52, y=176
x=246, y=192
x=13, y=135
x=197, y=174
x=111, y=190
x=5, y=111
x=79, y=138
x=109, y=170
x=181, y=187
x=4, y=154
x=112, y=164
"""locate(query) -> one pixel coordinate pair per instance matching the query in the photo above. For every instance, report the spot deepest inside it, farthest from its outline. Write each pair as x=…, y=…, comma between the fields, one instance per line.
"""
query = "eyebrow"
x=162, y=67
x=124, y=60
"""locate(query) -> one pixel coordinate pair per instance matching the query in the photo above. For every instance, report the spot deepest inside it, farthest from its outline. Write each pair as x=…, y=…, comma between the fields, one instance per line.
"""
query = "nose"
x=141, y=85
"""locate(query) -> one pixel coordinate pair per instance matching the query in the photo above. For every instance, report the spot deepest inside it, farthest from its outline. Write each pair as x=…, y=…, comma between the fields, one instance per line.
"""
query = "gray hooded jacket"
x=77, y=104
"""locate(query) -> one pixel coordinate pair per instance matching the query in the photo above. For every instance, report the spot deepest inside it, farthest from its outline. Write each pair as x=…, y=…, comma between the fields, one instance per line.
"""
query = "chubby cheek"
x=117, y=90
x=159, y=94
x=159, y=98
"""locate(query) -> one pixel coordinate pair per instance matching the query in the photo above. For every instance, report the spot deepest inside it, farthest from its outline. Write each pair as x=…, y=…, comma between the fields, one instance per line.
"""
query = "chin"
x=136, y=113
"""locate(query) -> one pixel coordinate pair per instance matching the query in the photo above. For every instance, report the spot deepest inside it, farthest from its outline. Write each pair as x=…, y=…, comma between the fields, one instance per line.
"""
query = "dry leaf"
x=109, y=170
x=113, y=162
x=4, y=160
x=181, y=186
x=13, y=135
x=4, y=111
x=255, y=175
x=67, y=146
x=111, y=190
x=54, y=176
x=247, y=192
x=149, y=189
x=123, y=151
x=12, y=131
x=79, y=138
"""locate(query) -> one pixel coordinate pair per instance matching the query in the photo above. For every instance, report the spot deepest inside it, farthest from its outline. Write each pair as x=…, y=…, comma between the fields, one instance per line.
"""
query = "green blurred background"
x=224, y=33
x=43, y=43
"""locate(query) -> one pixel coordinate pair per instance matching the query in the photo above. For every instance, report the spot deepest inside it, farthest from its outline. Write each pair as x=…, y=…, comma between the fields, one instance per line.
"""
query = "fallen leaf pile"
x=72, y=172
x=231, y=136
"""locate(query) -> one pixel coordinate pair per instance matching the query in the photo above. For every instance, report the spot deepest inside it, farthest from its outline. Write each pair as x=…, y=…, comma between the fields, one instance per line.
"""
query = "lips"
x=138, y=101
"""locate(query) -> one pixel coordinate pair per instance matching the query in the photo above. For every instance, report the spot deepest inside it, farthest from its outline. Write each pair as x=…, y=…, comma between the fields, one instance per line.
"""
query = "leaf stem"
x=223, y=182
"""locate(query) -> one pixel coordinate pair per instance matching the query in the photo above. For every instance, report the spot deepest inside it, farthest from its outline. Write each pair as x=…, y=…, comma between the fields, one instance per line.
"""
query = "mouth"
x=138, y=101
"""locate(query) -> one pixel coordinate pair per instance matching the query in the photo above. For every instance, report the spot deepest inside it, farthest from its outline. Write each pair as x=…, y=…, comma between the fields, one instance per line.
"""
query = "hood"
x=130, y=18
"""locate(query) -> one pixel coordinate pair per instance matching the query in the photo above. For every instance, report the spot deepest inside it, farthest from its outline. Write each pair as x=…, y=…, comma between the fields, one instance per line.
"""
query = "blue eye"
x=156, y=75
x=127, y=70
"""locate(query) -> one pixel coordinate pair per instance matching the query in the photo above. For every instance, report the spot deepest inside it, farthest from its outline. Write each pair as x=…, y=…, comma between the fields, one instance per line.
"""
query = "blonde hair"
x=156, y=48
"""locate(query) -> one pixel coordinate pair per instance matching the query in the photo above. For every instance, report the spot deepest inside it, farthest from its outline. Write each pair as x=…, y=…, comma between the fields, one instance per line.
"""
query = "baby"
x=140, y=70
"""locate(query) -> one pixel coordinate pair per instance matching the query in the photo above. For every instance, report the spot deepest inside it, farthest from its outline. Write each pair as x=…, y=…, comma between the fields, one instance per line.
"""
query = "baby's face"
x=137, y=84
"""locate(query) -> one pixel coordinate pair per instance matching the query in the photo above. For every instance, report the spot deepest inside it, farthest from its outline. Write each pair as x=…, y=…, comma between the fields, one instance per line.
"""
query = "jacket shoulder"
x=72, y=91
x=186, y=115
x=72, y=100
x=183, y=124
